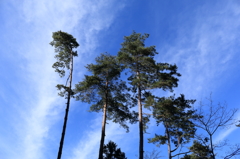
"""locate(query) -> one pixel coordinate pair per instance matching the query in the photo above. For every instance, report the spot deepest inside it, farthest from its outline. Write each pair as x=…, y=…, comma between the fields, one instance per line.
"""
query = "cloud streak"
x=206, y=50
x=88, y=146
x=38, y=108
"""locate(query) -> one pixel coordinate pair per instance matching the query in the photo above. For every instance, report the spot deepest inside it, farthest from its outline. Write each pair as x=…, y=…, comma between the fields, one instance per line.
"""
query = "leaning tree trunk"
x=140, y=122
x=100, y=156
x=67, y=110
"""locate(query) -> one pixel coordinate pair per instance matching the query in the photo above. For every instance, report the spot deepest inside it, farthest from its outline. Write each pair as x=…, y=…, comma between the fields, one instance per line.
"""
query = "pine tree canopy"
x=63, y=43
x=105, y=87
x=199, y=151
x=176, y=116
x=144, y=70
x=111, y=151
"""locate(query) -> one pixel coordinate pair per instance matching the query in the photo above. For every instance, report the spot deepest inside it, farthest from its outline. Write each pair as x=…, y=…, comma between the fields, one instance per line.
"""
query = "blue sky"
x=201, y=37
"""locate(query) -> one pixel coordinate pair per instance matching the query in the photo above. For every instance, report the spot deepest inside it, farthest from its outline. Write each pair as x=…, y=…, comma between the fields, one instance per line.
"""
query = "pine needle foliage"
x=199, y=151
x=64, y=44
x=111, y=151
x=177, y=118
x=107, y=93
x=145, y=73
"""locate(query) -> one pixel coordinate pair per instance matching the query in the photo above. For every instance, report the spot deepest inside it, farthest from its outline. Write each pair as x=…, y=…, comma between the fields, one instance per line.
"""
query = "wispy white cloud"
x=204, y=55
x=97, y=18
x=206, y=51
x=225, y=132
x=88, y=146
x=38, y=107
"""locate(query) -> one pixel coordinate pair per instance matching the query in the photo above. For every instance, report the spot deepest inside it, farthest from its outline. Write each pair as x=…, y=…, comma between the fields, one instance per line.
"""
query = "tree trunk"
x=211, y=147
x=67, y=110
x=100, y=156
x=169, y=143
x=140, y=122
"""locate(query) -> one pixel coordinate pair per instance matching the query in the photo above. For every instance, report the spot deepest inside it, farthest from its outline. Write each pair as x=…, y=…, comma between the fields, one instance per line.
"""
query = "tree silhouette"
x=154, y=154
x=110, y=151
x=64, y=44
x=199, y=151
x=216, y=117
x=145, y=73
x=106, y=93
x=177, y=118
x=235, y=150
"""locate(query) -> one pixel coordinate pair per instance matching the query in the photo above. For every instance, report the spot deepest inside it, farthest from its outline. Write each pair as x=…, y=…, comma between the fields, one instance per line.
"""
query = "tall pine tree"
x=145, y=73
x=107, y=93
x=64, y=44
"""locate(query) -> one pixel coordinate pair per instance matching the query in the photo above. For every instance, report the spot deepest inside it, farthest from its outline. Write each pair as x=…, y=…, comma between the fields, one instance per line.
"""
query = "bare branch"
x=181, y=153
x=234, y=153
x=215, y=117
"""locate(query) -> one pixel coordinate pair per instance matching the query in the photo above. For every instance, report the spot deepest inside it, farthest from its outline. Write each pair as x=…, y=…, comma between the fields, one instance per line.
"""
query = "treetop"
x=64, y=44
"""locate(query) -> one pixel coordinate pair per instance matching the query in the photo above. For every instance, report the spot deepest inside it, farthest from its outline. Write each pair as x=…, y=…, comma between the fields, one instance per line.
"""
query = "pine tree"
x=199, y=151
x=64, y=44
x=106, y=93
x=145, y=73
x=177, y=118
x=111, y=151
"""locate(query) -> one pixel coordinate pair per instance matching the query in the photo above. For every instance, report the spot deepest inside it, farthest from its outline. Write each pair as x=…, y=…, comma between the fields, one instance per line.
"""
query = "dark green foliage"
x=64, y=90
x=106, y=93
x=145, y=74
x=110, y=151
x=105, y=79
x=177, y=117
x=138, y=58
x=64, y=44
x=199, y=151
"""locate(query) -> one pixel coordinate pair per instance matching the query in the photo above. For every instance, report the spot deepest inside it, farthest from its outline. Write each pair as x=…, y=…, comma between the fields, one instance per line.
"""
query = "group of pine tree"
x=106, y=91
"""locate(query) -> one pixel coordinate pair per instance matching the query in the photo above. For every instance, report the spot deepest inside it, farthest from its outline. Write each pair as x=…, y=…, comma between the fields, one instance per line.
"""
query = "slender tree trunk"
x=211, y=144
x=67, y=110
x=100, y=156
x=140, y=122
x=169, y=143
